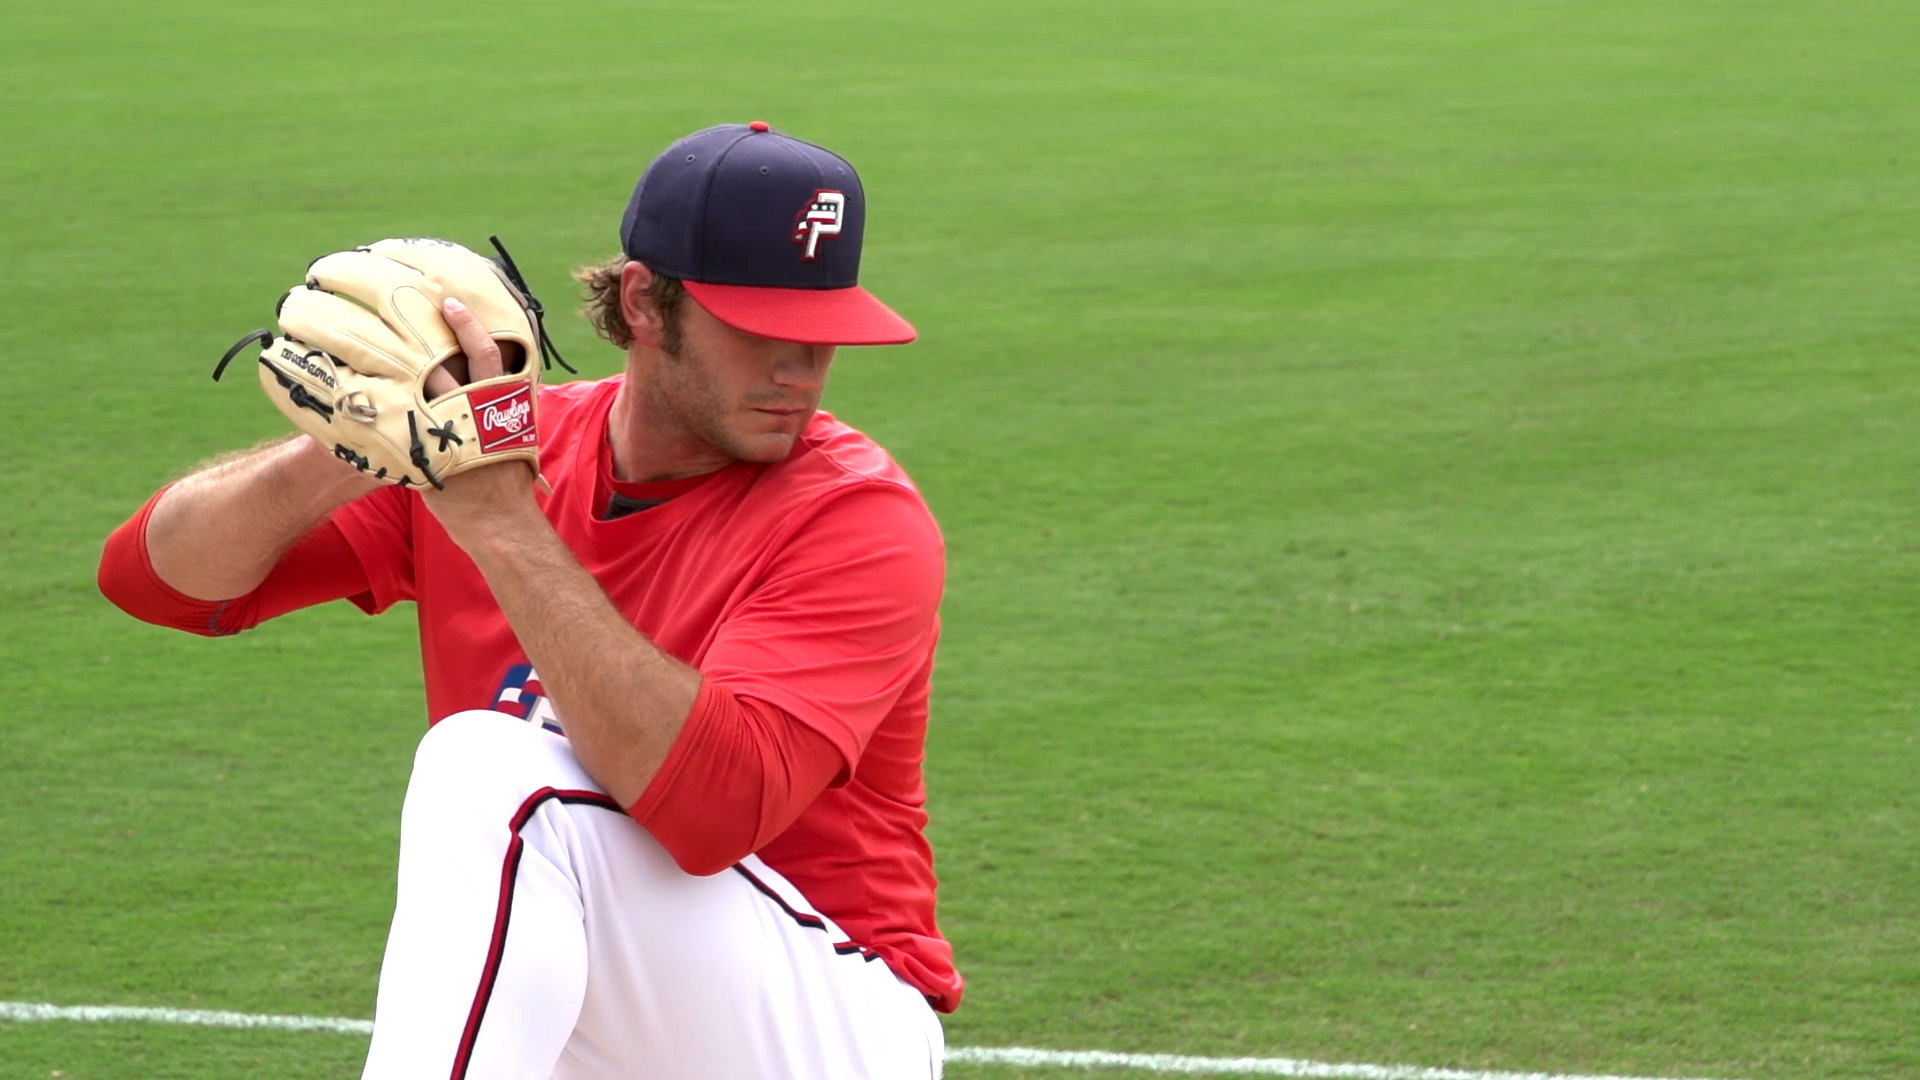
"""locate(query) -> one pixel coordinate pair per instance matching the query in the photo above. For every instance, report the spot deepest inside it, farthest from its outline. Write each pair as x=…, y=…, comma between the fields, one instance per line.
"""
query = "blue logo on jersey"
x=520, y=694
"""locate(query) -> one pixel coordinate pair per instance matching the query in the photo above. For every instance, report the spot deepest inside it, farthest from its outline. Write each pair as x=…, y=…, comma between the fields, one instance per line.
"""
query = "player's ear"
x=643, y=318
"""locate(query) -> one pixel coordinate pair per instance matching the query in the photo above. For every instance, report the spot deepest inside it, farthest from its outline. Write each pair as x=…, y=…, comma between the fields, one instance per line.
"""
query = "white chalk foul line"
x=1246, y=1066
x=23, y=1010
x=966, y=1055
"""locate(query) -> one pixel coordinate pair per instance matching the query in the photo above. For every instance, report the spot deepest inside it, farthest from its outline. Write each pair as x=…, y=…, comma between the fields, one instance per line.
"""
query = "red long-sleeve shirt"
x=736, y=777
x=806, y=592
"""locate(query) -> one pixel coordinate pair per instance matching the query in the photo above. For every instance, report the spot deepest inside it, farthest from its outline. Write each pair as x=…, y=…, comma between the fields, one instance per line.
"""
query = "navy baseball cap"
x=765, y=231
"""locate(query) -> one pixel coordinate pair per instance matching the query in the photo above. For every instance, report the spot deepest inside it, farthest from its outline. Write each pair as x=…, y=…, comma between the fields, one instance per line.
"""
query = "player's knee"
x=473, y=741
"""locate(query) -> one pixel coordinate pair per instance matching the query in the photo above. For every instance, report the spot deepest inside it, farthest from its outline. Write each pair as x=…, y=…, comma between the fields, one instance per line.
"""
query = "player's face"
x=746, y=396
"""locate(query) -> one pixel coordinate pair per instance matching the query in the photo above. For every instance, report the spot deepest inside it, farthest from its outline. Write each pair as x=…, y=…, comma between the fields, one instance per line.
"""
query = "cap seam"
x=706, y=192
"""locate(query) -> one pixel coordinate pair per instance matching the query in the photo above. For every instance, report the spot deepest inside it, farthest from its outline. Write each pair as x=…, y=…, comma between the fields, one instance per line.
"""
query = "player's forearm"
x=217, y=533
x=622, y=700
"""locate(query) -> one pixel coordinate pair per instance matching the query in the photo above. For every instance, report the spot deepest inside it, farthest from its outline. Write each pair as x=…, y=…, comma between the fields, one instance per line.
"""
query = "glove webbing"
x=549, y=353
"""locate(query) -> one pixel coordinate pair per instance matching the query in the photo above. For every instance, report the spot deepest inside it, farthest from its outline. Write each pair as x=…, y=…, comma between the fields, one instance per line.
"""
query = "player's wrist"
x=324, y=468
x=489, y=509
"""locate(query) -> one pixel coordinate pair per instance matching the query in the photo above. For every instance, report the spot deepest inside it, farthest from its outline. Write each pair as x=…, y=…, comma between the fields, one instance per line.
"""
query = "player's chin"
x=767, y=436
x=764, y=447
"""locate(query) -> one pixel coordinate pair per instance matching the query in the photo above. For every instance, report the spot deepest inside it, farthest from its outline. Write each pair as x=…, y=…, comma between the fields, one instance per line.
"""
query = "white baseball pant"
x=541, y=933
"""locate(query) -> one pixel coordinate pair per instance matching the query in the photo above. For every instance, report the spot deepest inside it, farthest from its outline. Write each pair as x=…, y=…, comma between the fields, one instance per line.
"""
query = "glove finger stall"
x=359, y=338
x=474, y=280
x=399, y=295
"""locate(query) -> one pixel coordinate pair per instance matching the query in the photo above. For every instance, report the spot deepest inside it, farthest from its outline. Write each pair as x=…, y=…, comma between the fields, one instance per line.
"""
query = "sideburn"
x=666, y=294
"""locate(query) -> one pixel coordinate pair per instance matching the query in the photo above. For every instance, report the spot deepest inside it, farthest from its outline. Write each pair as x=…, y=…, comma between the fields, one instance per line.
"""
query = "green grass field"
x=1430, y=495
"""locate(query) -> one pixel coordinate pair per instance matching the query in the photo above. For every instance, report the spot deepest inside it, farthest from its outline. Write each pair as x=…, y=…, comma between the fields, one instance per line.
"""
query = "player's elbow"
x=116, y=589
x=129, y=584
x=740, y=772
x=707, y=863
x=708, y=826
x=699, y=848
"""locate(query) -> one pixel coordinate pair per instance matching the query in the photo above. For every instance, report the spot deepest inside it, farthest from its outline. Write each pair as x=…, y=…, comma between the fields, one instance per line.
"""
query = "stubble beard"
x=684, y=396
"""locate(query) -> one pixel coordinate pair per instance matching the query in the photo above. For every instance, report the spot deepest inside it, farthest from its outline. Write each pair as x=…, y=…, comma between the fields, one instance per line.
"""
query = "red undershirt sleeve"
x=799, y=677
x=740, y=772
x=320, y=567
x=843, y=620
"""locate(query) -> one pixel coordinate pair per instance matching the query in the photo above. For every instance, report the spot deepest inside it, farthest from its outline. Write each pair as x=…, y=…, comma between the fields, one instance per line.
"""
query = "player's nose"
x=802, y=367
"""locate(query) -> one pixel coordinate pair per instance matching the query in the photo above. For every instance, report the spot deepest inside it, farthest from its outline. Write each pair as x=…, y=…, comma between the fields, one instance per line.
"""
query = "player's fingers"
x=440, y=384
x=483, y=356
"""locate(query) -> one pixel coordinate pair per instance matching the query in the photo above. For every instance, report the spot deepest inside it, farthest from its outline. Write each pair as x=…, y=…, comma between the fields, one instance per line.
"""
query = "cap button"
x=759, y=125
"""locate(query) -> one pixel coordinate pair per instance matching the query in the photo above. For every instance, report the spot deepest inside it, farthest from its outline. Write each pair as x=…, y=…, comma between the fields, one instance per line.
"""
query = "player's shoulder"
x=836, y=453
x=838, y=468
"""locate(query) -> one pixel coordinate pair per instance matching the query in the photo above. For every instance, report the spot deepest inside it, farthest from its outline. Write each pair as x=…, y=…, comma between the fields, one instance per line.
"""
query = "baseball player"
x=667, y=820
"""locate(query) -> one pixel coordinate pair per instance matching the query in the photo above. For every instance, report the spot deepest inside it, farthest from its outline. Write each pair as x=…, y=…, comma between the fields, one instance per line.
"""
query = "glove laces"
x=549, y=354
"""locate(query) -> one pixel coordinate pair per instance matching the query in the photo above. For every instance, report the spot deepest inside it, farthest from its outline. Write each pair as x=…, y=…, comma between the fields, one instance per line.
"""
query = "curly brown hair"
x=602, y=296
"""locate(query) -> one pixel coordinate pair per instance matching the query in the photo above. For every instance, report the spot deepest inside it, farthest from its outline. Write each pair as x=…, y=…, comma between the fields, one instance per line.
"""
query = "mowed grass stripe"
x=1022, y=1056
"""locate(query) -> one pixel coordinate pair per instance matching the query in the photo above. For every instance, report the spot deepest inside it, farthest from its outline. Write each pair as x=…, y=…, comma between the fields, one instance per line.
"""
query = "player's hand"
x=497, y=495
x=481, y=357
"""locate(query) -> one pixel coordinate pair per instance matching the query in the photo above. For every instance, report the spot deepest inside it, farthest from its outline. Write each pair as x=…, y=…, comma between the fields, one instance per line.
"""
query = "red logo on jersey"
x=504, y=416
x=824, y=214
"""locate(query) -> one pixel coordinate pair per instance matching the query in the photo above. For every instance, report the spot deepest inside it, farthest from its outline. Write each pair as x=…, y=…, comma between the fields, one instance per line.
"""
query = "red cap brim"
x=809, y=316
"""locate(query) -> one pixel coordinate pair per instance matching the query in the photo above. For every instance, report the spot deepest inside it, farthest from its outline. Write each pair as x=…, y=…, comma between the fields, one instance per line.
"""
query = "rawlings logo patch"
x=511, y=418
x=504, y=416
x=823, y=217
